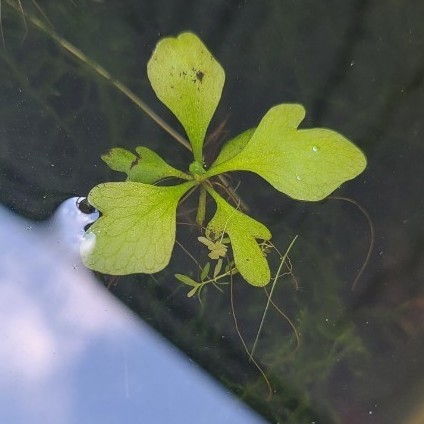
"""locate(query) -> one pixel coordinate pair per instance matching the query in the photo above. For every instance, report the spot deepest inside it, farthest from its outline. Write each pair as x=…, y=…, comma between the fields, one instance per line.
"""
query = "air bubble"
x=315, y=148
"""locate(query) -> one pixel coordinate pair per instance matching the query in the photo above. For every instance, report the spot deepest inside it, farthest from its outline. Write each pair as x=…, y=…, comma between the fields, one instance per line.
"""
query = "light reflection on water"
x=70, y=353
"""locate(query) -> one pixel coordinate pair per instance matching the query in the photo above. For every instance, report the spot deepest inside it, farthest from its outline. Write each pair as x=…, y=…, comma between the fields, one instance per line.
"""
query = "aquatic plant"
x=137, y=228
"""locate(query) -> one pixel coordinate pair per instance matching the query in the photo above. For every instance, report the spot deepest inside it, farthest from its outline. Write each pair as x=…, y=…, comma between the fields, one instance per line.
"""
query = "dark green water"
x=358, y=68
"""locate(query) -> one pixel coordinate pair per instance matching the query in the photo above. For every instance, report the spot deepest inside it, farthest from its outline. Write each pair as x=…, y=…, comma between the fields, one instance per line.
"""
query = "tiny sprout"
x=217, y=248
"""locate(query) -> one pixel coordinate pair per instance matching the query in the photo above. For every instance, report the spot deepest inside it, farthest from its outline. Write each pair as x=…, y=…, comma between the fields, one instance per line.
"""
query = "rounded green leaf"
x=188, y=80
x=306, y=164
x=243, y=232
x=136, y=231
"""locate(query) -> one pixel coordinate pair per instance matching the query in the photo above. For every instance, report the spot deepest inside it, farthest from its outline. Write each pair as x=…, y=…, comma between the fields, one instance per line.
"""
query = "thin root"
x=371, y=244
x=270, y=392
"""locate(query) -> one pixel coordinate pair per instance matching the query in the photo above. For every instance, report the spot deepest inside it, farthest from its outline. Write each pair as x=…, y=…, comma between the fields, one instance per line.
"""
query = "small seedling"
x=218, y=249
x=217, y=252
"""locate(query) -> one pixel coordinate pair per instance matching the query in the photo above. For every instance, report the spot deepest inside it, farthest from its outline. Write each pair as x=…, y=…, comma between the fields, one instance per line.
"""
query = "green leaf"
x=148, y=167
x=205, y=271
x=186, y=280
x=193, y=291
x=217, y=249
x=136, y=231
x=234, y=146
x=243, y=232
x=306, y=164
x=188, y=80
x=218, y=268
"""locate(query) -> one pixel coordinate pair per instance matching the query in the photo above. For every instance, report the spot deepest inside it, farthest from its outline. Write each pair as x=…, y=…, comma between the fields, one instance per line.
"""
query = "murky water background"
x=358, y=68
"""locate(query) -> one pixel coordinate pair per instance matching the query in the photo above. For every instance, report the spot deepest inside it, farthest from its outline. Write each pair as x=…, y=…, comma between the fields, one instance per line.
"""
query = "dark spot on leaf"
x=200, y=75
x=134, y=162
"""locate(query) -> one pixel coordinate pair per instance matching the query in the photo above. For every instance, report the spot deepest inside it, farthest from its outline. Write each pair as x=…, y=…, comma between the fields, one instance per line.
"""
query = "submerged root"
x=236, y=326
x=274, y=283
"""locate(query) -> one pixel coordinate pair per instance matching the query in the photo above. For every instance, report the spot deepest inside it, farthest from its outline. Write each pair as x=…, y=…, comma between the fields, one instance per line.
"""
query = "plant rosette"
x=136, y=230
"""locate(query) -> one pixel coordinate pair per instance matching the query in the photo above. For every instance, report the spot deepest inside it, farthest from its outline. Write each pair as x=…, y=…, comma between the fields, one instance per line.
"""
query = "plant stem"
x=99, y=70
x=201, y=209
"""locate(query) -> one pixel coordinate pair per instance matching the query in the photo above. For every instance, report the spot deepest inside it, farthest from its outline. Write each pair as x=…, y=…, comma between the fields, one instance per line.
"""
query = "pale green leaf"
x=186, y=280
x=243, y=232
x=208, y=243
x=188, y=80
x=217, y=249
x=136, y=230
x=205, y=271
x=193, y=291
x=218, y=252
x=234, y=146
x=218, y=268
x=306, y=164
x=148, y=167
